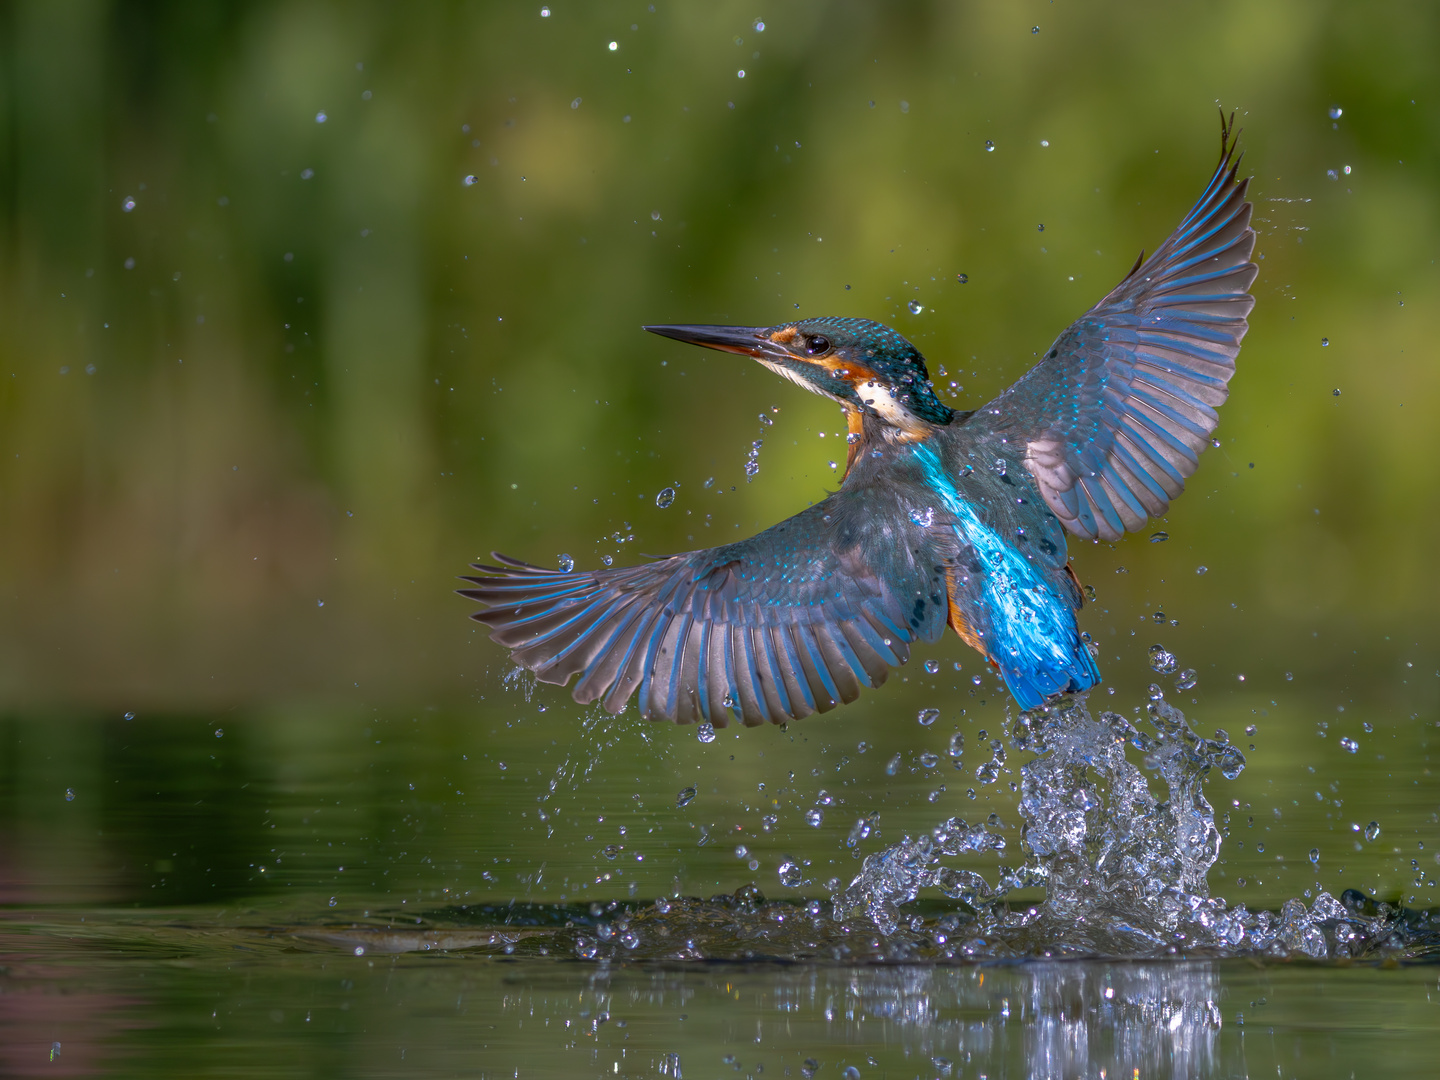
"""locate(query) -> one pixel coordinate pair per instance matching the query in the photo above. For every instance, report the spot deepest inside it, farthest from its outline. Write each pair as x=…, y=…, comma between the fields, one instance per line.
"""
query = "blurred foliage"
x=305, y=305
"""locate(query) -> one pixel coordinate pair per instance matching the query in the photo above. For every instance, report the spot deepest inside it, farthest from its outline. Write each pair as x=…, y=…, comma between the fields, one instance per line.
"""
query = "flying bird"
x=943, y=518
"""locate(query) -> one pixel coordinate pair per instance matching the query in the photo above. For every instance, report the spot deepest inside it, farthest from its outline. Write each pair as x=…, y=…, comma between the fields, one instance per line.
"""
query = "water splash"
x=1124, y=873
x=1123, y=868
x=522, y=679
x=752, y=456
x=1119, y=866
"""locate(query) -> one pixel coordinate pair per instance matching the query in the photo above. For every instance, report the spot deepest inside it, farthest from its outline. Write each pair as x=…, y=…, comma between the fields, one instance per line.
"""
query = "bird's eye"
x=815, y=344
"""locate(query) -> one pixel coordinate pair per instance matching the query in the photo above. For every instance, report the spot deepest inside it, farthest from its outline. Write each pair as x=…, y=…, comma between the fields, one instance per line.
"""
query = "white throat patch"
x=888, y=407
x=798, y=379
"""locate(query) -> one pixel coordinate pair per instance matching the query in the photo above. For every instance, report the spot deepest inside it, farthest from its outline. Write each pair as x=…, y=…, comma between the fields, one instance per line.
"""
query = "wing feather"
x=1116, y=415
x=791, y=622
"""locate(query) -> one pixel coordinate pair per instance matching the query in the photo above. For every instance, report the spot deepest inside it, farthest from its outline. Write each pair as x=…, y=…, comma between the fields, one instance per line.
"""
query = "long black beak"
x=746, y=340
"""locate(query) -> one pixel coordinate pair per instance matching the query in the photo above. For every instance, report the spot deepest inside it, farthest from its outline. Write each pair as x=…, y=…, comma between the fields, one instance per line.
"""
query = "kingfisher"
x=943, y=517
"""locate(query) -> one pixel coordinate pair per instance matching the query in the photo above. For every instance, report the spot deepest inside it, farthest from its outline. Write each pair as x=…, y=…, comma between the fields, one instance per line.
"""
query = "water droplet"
x=1034, y=30
x=759, y=27
x=614, y=45
x=320, y=118
x=850, y=1073
x=705, y=733
x=957, y=744
x=1336, y=112
x=471, y=180
x=862, y=746
x=566, y=563
x=685, y=796
x=610, y=851
x=1350, y=744
x=1162, y=660
x=892, y=766
x=741, y=851
x=962, y=278
x=665, y=498
x=1372, y=831
x=69, y=795
x=1202, y=569
x=1089, y=591
x=790, y=874
x=1336, y=391
x=932, y=666
x=926, y=717
x=989, y=147
x=654, y=215
x=915, y=307
x=128, y=204
x=861, y=829
x=924, y=518
x=1289, y=676
x=606, y=560
x=1186, y=680
x=1315, y=856
x=1324, y=341
x=929, y=759
x=813, y=818
x=219, y=733
x=740, y=74
x=1159, y=537
x=544, y=12
x=129, y=716
x=1040, y=228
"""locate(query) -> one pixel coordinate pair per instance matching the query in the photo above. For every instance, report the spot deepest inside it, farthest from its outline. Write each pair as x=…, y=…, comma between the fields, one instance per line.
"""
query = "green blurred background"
x=303, y=306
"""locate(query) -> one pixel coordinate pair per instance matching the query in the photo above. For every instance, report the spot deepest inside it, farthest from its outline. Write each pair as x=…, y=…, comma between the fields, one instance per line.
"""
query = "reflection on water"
x=162, y=995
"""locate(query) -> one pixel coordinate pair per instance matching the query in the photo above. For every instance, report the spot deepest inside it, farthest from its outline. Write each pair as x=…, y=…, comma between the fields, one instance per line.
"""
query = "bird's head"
x=863, y=365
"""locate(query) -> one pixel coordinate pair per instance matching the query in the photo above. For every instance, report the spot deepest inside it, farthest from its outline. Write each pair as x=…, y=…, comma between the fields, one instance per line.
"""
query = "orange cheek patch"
x=784, y=337
x=855, y=373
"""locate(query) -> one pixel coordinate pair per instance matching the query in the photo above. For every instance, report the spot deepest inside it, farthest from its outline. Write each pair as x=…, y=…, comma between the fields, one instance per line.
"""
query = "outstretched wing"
x=1115, y=416
x=790, y=622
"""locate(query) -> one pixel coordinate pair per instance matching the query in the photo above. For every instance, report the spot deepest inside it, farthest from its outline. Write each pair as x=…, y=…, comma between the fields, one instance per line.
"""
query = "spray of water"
x=1123, y=869
x=1124, y=872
